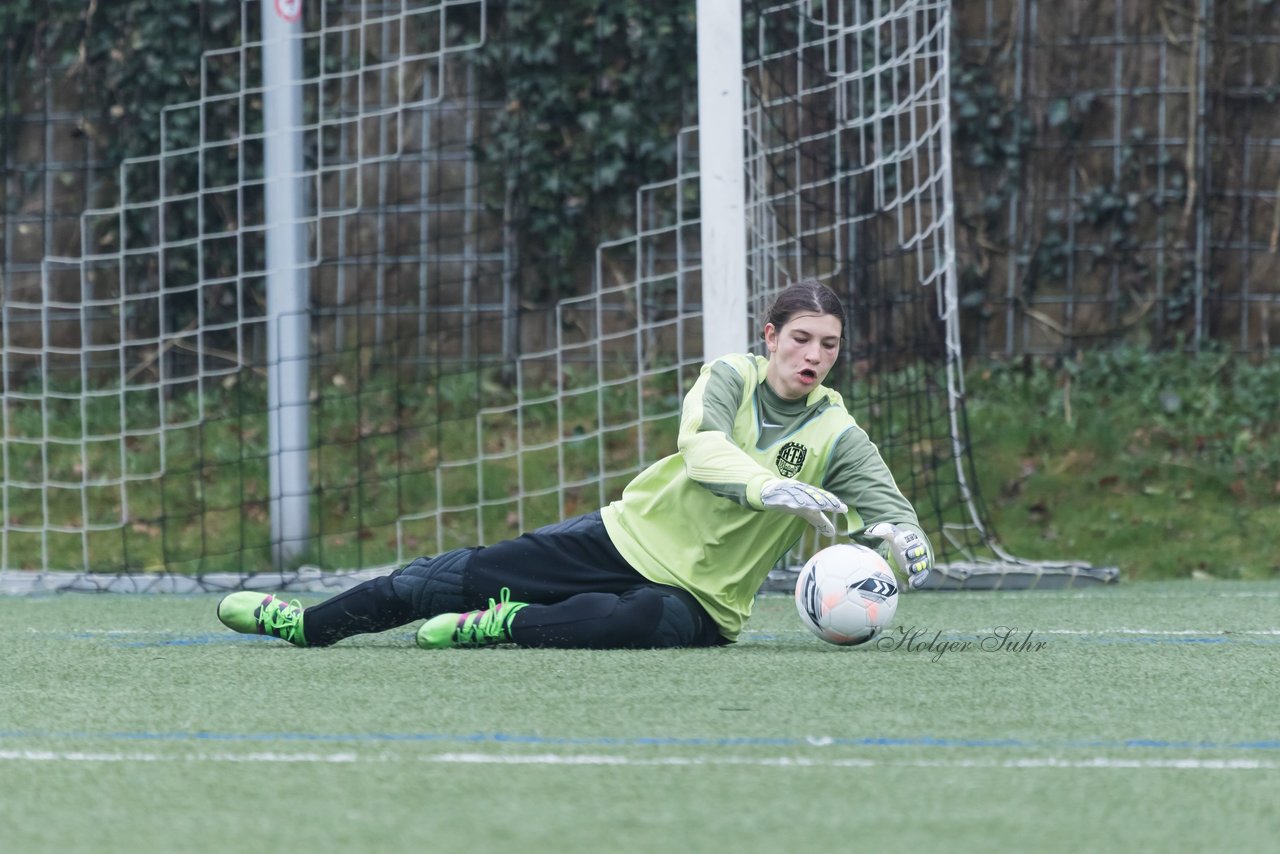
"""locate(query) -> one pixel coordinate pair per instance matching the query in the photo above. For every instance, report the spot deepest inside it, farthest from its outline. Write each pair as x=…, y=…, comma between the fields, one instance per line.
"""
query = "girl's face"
x=801, y=353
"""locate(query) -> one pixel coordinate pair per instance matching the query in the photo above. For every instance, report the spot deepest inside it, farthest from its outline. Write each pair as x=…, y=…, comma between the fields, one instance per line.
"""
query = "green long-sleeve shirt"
x=695, y=520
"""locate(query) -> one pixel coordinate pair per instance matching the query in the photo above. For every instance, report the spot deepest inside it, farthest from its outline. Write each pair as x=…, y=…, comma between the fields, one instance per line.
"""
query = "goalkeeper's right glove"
x=908, y=548
x=808, y=502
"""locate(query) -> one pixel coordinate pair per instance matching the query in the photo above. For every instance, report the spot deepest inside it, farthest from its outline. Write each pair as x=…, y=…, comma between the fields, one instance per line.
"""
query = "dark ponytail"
x=805, y=296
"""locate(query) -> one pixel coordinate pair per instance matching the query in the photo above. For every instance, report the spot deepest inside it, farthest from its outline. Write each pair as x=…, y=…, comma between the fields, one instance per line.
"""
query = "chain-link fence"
x=1119, y=164
x=1117, y=167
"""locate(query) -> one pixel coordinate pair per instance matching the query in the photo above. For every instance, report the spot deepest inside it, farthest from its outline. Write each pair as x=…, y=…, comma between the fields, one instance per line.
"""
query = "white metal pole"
x=722, y=178
x=288, y=323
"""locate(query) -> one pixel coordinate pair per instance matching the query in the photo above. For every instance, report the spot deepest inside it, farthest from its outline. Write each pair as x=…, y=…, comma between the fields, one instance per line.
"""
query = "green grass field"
x=1146, y=721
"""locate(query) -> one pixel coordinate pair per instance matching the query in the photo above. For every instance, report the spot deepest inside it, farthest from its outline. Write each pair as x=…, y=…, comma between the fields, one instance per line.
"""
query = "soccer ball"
x=846, y=594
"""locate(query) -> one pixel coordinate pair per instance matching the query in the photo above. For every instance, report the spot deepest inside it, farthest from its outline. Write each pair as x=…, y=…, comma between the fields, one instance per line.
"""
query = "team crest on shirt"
x=791, y=459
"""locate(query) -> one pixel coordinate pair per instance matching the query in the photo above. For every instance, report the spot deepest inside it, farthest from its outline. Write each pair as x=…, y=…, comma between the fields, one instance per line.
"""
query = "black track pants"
x=581, y=594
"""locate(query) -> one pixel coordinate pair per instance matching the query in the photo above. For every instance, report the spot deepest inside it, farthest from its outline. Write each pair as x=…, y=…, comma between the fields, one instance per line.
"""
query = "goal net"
x=850, y=182
x=447, y=405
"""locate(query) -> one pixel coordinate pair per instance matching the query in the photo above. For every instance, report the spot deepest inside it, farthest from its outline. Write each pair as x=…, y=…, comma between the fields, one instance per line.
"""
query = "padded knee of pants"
x=676, y=626
x=433, y=585
x=649, y=618
x=634, y=620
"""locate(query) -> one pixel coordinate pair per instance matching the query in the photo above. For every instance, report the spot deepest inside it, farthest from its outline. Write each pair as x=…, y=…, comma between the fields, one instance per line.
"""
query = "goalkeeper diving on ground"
x=764, y=450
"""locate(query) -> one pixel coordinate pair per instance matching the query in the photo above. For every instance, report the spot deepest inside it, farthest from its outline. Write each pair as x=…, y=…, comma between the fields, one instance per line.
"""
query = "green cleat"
x=474, y=628
x=262, y=614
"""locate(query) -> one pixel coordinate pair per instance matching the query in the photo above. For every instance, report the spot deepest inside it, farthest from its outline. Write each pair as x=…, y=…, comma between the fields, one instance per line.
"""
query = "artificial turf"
x=1133, y=717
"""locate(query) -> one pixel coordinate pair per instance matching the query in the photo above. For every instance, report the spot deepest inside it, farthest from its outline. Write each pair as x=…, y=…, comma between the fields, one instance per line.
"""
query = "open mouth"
x=809, y=375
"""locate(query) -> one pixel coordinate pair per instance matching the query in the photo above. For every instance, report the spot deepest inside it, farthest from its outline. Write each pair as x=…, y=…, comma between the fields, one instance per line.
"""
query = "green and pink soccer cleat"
x=262, y=614
x=485, y=627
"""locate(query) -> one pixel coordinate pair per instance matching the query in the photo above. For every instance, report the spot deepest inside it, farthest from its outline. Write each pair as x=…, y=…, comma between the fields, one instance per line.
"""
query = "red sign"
x=290, y=10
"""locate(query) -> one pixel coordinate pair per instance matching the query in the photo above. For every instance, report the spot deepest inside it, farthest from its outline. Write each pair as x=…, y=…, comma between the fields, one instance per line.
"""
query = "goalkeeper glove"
x=808, y=502
x=910, y=552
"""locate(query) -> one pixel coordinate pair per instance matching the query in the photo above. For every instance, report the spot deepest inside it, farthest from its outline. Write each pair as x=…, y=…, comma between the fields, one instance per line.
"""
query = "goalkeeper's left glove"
x=910, y=552
x=810, y=503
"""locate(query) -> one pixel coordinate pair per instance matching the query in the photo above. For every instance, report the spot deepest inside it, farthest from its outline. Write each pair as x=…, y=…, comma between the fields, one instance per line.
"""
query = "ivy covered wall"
x=1117, y=172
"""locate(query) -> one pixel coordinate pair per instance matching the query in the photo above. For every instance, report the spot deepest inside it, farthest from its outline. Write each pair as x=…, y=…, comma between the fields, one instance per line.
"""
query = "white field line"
x=802, y=762
x=1156, y=632
x=618, y=760
x=948, y=633
x=1218, y=632
x=1131, y=594
x=1123, y=630
x=136, y=756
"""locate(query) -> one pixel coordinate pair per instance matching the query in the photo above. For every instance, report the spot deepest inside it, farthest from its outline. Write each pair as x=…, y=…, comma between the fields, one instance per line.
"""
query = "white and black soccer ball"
x=846, y=594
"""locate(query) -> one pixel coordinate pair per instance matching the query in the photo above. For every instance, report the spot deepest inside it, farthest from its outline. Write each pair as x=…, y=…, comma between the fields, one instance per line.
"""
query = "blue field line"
x=1112, y=639
x=654, y=741
x=194, y=640
x=123, y=641
x=212, y=638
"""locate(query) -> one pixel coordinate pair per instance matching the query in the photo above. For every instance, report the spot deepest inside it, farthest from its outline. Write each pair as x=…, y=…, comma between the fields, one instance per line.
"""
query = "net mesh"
x=134, y=398
x=850, y=182
x=447, y=407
